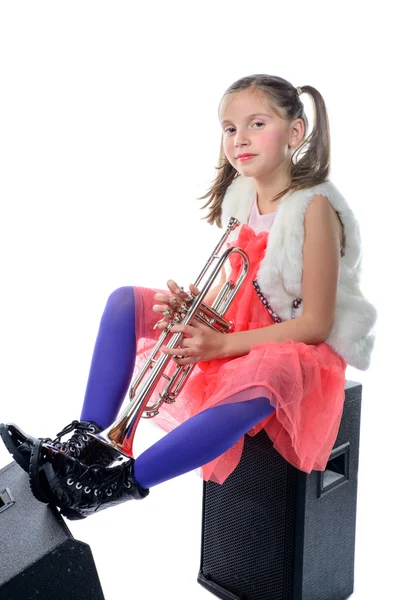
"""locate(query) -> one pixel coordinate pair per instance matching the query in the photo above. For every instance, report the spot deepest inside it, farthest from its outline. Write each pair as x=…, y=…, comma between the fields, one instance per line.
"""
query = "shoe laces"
x=104, y=482
x=82, y=428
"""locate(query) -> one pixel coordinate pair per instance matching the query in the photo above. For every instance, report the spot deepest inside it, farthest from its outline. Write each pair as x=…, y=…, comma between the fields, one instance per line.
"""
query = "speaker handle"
x=336, y=473
x=6, y=499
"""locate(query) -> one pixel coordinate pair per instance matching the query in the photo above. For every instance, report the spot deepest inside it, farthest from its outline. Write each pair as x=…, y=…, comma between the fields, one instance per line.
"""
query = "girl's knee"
x=122, y=296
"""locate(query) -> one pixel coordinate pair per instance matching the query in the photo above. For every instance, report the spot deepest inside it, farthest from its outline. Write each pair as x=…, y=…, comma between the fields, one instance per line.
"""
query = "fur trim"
x=280, y=271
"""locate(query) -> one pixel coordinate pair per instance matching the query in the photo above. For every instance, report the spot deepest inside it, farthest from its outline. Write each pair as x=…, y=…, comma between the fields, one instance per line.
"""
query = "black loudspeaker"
x=40, y=560
x=273, y=532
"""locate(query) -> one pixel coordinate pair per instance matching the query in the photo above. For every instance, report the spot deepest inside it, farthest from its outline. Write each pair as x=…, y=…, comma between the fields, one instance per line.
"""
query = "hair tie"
x=299, y=91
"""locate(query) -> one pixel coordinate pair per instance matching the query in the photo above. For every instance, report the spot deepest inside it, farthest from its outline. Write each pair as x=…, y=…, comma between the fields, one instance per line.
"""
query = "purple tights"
x=192, y=444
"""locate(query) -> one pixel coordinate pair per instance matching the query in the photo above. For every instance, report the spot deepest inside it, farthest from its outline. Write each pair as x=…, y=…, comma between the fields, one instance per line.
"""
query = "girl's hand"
x=201, y=343
x=176, y=294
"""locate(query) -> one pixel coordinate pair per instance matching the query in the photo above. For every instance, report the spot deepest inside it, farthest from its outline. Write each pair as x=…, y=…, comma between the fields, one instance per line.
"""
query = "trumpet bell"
x=117, y=438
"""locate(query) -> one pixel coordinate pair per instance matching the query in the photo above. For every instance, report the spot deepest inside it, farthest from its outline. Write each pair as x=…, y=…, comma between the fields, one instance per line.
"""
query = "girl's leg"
x=113, y=359
x=199, y=440
x=190, y=445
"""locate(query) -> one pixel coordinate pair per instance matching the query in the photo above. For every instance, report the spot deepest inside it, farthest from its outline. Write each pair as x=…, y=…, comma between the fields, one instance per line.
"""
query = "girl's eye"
x=255, y=123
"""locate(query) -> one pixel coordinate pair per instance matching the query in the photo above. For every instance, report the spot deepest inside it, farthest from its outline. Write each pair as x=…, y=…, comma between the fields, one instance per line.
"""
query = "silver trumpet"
x=119, y=435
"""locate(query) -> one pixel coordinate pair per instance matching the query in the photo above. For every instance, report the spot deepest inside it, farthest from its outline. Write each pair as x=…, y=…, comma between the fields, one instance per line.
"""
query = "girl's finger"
x=174, y=288
x=161, y=297
x=194, y=290
x=161, y=308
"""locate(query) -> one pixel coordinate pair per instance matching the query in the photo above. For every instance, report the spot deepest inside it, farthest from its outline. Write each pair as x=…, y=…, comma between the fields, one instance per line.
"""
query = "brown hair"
x=310, y=169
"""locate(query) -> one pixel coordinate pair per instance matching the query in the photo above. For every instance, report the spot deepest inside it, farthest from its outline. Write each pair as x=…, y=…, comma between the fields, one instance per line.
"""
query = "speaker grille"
x=260, y=513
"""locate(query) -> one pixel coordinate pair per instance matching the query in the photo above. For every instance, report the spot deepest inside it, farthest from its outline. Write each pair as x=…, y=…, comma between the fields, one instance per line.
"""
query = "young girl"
x=299, y=319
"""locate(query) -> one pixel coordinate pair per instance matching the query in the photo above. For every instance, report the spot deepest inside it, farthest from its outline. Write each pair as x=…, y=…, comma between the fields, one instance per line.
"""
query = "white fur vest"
x=279, y=275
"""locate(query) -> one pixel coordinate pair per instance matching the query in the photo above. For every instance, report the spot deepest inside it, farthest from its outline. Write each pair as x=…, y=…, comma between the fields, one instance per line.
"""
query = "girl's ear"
x=298, y=130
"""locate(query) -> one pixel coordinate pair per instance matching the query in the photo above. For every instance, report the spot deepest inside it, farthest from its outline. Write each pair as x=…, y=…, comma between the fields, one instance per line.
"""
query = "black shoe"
x=79, y=490
x=80, y=443
x=20, y=444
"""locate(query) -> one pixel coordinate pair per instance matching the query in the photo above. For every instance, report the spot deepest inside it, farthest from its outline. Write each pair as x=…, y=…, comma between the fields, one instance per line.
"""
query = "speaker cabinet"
x=40, y=560
x=273, y=532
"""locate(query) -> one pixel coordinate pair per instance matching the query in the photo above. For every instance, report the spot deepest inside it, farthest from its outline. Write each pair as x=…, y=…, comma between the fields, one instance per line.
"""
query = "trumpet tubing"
x=119, y=435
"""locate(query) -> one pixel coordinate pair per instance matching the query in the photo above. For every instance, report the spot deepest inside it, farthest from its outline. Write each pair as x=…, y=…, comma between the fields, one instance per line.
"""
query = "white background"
x=109, y=134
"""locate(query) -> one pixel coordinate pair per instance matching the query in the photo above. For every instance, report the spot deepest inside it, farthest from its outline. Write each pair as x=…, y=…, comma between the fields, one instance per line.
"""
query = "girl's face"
x=250, y=126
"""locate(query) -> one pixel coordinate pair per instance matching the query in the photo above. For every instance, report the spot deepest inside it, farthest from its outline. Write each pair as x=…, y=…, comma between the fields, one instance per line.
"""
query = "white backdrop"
x=108, y=134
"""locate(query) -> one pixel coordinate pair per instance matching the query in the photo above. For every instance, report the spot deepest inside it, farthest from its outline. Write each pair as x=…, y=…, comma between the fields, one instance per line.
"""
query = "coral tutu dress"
x=304, y=382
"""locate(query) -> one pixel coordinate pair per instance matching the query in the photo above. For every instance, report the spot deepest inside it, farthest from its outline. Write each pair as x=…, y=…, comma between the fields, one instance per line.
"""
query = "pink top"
x=260, y=222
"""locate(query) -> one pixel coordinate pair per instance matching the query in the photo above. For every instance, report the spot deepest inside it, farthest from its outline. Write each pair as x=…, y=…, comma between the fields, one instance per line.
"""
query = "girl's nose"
x=240, y=138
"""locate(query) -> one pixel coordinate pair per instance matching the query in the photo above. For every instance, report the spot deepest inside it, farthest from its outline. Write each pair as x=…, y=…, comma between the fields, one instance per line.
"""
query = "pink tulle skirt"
x=304, y=382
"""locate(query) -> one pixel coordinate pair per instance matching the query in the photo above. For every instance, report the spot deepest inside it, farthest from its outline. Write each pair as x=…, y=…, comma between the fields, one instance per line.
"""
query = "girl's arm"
x=321, y=259
x=300, y=329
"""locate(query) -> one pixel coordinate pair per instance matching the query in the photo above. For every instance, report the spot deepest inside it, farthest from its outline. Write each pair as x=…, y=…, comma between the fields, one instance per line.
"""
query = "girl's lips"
x=243, y=158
